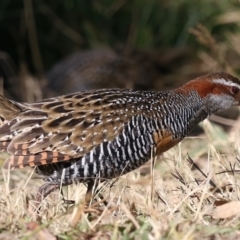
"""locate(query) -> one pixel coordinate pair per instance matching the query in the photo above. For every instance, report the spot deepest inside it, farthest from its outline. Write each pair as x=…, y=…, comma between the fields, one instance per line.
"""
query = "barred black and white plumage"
x=102, y=134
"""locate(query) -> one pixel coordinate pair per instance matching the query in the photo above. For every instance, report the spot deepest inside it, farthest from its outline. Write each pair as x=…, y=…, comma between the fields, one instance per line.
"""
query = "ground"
x=191, y=193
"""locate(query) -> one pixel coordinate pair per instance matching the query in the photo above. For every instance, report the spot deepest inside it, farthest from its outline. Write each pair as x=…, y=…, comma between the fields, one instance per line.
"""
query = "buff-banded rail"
x=102, y=134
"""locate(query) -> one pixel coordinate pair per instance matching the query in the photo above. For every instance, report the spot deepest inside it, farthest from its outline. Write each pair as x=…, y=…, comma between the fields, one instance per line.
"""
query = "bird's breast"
x=164, y=140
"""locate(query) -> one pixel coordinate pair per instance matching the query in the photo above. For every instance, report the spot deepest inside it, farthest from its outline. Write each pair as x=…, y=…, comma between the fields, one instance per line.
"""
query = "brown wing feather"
x=67, y=127
x=20, y=161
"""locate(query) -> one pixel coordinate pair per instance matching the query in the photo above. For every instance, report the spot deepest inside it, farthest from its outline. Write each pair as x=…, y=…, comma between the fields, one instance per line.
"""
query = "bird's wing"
x=67, y=127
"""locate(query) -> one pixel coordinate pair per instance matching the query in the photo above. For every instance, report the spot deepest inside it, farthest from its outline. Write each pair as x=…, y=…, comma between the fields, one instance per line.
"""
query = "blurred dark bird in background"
x=113, y=68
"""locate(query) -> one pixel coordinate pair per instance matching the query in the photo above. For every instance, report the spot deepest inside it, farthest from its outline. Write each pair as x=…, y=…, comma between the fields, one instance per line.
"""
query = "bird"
x=98, y=135
x=96, y=68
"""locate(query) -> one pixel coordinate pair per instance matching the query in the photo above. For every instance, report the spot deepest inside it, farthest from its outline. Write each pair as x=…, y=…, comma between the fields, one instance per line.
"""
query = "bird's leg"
x=45, y=190
x=92, y=191
x=89, y=193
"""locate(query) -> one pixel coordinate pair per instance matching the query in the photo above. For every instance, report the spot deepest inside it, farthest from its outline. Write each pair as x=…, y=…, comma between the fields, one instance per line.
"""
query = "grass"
x=181, y=204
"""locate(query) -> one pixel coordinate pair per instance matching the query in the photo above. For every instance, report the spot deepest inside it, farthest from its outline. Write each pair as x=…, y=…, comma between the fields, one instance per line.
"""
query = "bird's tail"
x=9, y=109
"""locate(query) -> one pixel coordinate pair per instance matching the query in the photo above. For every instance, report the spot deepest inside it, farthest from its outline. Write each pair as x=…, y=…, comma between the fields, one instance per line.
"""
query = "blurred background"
x=48, y=48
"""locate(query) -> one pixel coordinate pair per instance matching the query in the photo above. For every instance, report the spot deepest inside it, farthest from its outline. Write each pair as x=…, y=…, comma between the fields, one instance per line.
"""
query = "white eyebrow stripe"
x=224, y=82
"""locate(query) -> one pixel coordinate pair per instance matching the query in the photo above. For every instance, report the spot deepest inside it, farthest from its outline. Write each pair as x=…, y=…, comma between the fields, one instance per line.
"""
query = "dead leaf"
x=227, y=210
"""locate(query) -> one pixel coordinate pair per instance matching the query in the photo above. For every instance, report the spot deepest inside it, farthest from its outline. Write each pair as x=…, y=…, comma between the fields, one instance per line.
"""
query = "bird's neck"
x=188, y=111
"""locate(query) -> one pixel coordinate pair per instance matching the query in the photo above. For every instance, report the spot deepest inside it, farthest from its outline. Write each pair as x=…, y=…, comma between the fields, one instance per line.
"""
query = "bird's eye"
x=234, y=90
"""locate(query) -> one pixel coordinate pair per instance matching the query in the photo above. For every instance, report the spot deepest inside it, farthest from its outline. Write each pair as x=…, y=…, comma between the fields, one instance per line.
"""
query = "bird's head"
x=218, y=91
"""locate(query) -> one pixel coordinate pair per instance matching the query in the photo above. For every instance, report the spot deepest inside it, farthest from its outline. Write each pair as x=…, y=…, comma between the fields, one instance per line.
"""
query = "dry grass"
x=185, y=204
